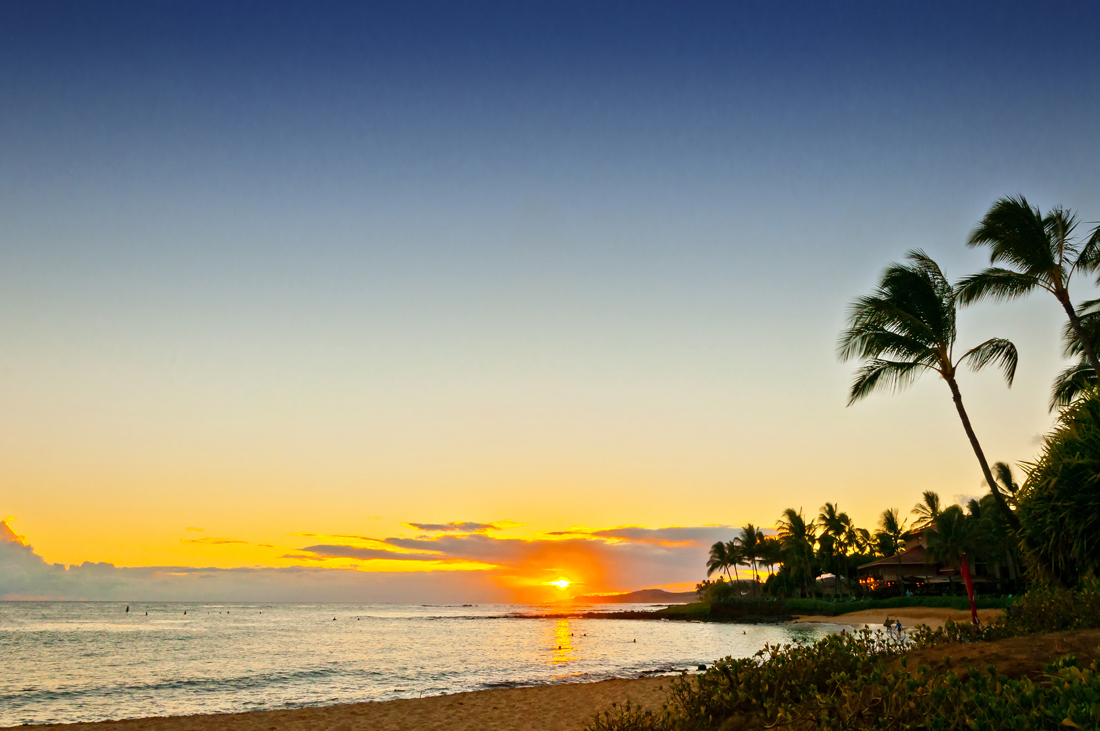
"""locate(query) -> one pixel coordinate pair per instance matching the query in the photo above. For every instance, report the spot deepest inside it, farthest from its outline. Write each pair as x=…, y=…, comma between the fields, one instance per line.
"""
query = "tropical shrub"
x=1059, y=504
x=851, y=682
x=854, y=681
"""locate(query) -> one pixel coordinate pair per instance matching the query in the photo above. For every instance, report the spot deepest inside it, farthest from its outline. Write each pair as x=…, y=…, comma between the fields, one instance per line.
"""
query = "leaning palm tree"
x=797, y=538
x=1040, y=252
x=719, y=559
x=907, y=327
x=927, y=510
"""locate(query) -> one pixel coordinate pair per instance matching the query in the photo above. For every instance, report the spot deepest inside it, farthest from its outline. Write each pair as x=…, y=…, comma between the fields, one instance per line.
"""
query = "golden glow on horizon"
x=560, y=583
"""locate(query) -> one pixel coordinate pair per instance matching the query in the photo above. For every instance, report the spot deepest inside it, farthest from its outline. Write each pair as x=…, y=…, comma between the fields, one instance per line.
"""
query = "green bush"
x=852, y=681
x=849, y=682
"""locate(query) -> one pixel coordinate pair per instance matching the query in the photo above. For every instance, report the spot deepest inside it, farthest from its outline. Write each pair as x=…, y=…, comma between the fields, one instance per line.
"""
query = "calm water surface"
x=84, y=661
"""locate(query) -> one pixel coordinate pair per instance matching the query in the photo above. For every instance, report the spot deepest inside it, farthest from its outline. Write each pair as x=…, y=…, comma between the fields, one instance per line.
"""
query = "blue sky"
x=273, y=268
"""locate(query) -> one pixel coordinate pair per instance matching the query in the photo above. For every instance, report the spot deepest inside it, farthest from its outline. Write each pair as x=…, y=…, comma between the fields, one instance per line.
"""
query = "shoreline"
x=557, y=707
x=932, y=617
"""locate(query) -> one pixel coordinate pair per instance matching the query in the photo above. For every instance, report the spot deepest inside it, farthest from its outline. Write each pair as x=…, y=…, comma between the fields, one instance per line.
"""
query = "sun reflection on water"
x=564, y=651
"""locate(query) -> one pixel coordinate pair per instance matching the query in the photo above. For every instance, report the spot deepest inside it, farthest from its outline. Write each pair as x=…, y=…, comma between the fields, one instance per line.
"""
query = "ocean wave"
x=214, y=685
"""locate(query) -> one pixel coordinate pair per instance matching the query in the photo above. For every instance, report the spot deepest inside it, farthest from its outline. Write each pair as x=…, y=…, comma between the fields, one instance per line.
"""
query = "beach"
x=565, y=707
x=934, y=617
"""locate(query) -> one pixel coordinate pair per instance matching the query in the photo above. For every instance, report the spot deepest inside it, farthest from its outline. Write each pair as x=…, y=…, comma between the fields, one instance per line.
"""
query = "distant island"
x=643, y=596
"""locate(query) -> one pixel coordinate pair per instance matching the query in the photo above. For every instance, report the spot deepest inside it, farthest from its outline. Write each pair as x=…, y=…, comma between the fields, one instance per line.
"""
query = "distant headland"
x=642, y=596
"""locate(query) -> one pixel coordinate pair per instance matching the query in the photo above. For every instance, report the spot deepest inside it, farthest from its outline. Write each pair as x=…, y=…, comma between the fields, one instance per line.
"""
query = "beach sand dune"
x=934, y=617
x=545, y=708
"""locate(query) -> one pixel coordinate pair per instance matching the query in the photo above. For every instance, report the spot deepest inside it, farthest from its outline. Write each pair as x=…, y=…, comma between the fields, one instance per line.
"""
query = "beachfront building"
x=914, y=567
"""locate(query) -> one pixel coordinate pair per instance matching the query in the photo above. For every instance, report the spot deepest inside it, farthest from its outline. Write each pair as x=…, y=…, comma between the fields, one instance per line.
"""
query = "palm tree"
x=907, y=327
x=1041, y=253
x=719, y=559
x=771, y=552
x=1003, y=472
x=1079, y=378
x=892, y=525
x=891, y=528
x=735, y=556
x=951, y=536
x=836, y=534
x=927, y=510
x=798, y=538
x=751, y=543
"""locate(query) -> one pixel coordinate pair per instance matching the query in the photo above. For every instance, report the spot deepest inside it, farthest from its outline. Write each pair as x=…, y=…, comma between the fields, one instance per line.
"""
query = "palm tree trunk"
x=1002, y=504
x=1075, y=323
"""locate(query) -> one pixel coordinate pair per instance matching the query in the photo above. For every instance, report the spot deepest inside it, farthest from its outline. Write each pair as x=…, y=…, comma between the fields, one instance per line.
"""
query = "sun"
x=560, y=583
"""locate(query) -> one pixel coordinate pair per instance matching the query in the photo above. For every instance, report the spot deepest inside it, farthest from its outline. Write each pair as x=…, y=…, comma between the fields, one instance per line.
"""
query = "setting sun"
x=560, y=583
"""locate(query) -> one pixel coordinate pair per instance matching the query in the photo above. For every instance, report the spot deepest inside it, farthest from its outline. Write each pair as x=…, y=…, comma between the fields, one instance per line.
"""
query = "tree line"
x=907, y=327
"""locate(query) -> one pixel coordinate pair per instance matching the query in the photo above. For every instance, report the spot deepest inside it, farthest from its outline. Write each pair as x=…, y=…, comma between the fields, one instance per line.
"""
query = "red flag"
x=969, y=591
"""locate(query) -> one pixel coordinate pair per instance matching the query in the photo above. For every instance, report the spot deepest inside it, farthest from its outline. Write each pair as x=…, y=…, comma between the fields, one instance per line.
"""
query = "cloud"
x=615, y=559
x=328, y=551
x=464, y=527
x=26, y=575
x=211, y=541
x=494, y=568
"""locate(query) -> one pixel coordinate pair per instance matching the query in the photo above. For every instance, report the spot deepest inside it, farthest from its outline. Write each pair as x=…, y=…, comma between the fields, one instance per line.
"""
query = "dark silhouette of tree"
x=927, y=510
x=907, y=327
x=798, y=539
x=751, y=544
x=1040, y=252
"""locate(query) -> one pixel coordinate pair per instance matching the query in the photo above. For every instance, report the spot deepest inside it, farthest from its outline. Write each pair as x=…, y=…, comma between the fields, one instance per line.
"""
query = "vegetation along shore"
x=1030, y=549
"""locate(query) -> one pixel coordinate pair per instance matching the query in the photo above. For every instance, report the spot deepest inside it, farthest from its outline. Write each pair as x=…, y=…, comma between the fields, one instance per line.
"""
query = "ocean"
x=90, y=661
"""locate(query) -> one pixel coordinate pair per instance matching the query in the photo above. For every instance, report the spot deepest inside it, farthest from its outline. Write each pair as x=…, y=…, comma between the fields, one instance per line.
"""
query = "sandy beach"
x=934, y=617
x=566, y=707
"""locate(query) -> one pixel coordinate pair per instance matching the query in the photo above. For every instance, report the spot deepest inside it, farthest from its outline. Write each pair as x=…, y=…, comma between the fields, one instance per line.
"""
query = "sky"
x=394, y=300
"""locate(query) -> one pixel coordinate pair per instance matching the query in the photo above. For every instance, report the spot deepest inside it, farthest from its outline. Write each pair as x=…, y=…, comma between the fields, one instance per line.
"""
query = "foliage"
x=927, y=510
x=853, y=682
x=906, y=328
x=1039, y=252
x=1044, y=608
x=1059, y=504
x=797, y=537
x=856, y=681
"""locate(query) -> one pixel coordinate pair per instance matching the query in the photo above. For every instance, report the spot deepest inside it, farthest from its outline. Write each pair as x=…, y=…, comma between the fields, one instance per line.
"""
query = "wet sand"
x=567, y=707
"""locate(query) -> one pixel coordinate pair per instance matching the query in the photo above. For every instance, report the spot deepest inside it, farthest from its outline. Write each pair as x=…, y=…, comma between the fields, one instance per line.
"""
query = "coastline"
x=933, y=617
x=561, y=707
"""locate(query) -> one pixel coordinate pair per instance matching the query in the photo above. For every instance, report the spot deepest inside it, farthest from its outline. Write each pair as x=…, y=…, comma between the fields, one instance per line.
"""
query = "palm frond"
x=994, y=283
x=1088, y=260
x=1071, y=384
x=1003, y=474
x=995, y=350
x=1016, y=232
x=1088, y=314
x=883, y=374
x=1060, y=223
